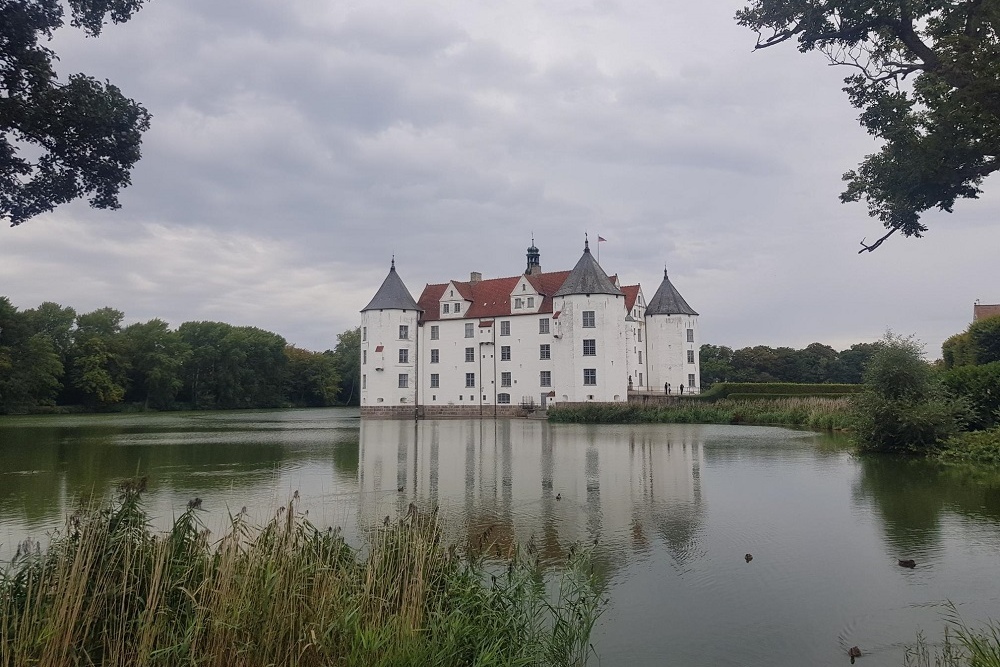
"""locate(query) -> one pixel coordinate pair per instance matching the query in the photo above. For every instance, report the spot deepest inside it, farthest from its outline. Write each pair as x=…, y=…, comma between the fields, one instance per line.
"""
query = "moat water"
x=673, y=510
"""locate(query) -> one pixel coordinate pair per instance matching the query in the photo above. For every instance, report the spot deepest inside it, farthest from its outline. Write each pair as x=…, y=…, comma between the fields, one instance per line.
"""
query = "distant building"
x=980, y=311
x=486, y=347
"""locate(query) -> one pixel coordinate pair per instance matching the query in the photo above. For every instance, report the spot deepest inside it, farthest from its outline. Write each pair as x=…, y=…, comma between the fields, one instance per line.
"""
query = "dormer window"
x=446, y=308
x=518, y=303
x=531, y=302
x=524, y=288
x=458, y=307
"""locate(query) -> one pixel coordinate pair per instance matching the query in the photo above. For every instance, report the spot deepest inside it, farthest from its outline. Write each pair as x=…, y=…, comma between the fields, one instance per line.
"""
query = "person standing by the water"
x=666, y=388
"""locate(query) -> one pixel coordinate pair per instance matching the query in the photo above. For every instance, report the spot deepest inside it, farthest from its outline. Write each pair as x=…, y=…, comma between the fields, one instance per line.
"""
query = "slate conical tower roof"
x=587, y=277
x=668, y=301
x=392, y=295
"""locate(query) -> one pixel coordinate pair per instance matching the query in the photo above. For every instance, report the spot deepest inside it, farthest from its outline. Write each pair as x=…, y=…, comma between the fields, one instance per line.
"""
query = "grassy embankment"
x=821, y=407
x=109, y=591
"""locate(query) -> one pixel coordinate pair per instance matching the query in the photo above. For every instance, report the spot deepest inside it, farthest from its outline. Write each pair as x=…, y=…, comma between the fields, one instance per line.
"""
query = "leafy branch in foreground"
x=61, y=140
x=927, y=81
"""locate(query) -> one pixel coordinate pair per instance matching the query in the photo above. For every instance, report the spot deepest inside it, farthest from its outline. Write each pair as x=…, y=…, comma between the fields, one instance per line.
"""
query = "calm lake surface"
x=673, y=509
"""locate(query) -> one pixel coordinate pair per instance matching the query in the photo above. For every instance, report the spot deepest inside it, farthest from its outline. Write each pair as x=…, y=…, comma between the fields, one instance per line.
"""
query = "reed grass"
x=809, y=412
x=109, y=591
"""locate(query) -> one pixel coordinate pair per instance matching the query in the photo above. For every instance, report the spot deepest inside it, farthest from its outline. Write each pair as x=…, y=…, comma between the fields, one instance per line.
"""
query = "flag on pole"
x=601, y=238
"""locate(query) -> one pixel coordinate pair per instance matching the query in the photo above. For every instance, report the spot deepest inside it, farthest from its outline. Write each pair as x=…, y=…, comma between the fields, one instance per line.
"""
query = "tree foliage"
x=61, y=140
x=979, y=344
x=347, y=358
x=50, y=356
x=816, y=363
x=927, y=82
x=904, y=408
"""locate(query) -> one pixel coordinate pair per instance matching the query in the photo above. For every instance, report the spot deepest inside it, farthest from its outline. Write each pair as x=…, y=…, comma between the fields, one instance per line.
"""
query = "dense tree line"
x=972, y=369
x=52, y=356
x=816, y=363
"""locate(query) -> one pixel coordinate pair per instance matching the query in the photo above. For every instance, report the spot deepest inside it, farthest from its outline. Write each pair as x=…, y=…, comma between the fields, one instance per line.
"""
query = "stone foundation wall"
x=441, y=411
x=389, y=411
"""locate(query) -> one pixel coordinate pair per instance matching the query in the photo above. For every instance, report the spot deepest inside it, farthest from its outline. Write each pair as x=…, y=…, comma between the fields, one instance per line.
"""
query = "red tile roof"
x=631, y=295
x=490, y=298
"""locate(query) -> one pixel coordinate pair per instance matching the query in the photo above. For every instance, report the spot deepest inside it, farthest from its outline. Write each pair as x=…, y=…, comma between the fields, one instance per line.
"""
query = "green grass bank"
x=110, y=591
x=816, y=412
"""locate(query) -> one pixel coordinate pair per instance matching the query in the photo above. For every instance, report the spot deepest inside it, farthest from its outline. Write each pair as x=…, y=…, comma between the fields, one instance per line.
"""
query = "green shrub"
x=904, y=408
x=972, y=447
x=980, y=387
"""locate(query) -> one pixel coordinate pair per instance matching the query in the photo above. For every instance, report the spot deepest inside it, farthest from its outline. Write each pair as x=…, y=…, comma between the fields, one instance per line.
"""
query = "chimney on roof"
x=475, y=277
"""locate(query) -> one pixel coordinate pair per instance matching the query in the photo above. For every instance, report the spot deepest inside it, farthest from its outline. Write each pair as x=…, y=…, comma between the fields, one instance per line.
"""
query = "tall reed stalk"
x=109, y=591
x=810, y=412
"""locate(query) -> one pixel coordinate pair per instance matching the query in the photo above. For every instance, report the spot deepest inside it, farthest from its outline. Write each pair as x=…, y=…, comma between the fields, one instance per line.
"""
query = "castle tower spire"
x=534, y=259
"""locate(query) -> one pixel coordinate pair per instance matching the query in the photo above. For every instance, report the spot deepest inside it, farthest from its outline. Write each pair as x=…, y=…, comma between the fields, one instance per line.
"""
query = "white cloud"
x=295, y=146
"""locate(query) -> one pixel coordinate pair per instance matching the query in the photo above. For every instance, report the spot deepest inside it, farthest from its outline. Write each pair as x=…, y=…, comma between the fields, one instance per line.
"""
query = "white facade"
x=389, y=361
x=538, y=338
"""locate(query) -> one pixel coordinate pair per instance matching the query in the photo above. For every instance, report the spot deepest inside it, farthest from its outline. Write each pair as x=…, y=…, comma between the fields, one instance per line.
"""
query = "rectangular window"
x=445, y=308
x=404, y=380
x=505, y=379
x=470, y=379
x=640, y=335
x=690, y=335
x=543, y=325
x=364, y=357
x=505, y=327
x=470, y=354
x=691, y=380
x=518, y=303
x=364, y=333
x=470, y=329
x=545, y=378
x=589, y=347
x=458, y=307
x=364, y=381
x=690, y=356
x=505, y=353
x=435, y=332
x=531, y=302
x=435, y=380
x=588, y=319
x=545, y=351
x=503, y=398
x=640, y=356
x=435, y=355
x=404, y=356
x=640, y=379
x=590, y=376
x=404, y=332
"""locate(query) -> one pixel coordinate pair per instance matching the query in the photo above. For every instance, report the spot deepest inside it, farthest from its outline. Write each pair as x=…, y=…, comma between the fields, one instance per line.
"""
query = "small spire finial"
x=586, y=242
x=664, y=271
x=392, y=266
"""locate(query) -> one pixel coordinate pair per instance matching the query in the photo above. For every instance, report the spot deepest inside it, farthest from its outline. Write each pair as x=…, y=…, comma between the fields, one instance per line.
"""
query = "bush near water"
x=109, y=591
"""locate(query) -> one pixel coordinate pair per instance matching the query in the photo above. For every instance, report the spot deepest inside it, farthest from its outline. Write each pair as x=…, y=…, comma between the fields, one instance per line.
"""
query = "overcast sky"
x=297, y=145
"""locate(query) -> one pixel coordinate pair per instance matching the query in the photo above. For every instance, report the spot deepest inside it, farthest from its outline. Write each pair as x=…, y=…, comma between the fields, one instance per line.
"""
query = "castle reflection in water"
x=528, y=482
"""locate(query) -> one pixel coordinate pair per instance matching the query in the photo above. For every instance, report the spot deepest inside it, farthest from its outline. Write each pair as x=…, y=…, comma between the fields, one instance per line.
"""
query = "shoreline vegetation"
x=110, y=591
x=813, y=412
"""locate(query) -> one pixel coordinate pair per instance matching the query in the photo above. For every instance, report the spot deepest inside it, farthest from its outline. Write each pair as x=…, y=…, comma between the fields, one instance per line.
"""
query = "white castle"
x=493, y=347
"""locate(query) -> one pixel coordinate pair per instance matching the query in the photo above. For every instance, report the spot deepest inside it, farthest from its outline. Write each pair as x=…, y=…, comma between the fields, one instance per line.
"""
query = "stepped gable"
x=587, y=277
x=668, y=301
x=392, y=295
x=490, y=298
